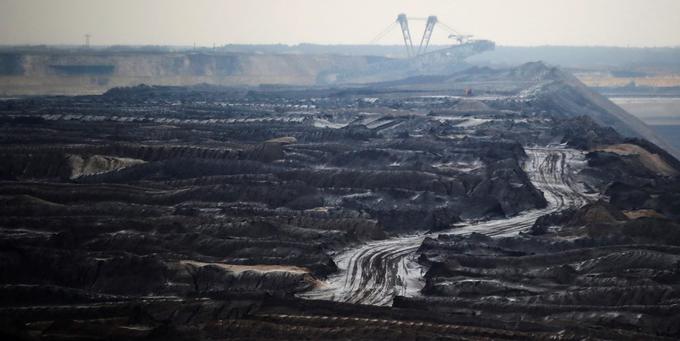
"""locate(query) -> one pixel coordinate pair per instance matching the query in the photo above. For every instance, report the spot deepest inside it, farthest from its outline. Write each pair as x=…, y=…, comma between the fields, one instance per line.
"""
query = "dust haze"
x=207, y=22
x=327, y=170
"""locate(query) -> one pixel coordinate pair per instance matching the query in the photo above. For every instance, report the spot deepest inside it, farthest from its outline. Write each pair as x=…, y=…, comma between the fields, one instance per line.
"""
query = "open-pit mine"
x=488, y=203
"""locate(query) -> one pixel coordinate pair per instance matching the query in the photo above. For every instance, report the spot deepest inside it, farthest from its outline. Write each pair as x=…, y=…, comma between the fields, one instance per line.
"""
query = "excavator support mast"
x=403, y=22
x=431, y=22
x=425, y=40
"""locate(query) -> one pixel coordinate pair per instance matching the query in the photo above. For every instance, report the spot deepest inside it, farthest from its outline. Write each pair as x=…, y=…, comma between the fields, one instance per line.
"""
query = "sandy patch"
x=651, y=161
x=98, y=164
x=257, y=268
x=635, y=214
x=283, y=140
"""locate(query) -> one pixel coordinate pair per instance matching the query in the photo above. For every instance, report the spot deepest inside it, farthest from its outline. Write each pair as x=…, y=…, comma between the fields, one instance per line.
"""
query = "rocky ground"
x=613, y=262
x=206, y=212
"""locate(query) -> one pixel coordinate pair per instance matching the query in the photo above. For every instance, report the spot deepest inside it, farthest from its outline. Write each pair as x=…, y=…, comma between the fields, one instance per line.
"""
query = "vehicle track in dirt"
x=374, y=273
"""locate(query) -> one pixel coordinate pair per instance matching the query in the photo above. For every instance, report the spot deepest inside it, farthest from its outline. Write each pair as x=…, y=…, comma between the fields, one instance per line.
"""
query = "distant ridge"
x=546, y=86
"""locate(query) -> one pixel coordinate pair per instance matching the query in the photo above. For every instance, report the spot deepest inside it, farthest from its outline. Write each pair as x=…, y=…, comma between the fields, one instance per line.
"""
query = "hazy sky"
x=208, y=22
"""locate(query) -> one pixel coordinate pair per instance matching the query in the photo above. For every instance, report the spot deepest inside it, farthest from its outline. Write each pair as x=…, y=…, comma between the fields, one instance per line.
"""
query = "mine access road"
x=374, y=273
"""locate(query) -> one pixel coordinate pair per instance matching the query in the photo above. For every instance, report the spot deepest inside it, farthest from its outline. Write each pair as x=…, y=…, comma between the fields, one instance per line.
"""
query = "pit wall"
x=94, y=73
